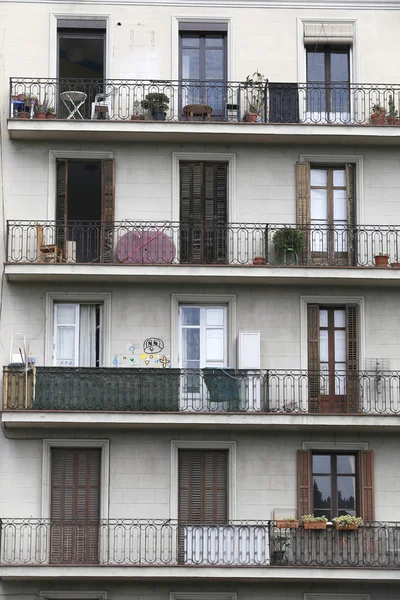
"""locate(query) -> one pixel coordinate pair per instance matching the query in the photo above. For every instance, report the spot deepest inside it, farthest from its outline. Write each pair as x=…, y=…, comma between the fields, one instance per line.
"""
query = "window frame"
x=334, y=474
x=202, y=327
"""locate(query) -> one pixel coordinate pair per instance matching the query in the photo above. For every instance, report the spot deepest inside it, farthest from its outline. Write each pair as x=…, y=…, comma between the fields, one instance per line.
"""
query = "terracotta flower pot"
x=282, y=524
x=137, y=118
x=258, y=260
x=315, y=525
x=351, y=527
x=40, y=115
x=251, y=117
x=51, y=116
x=395, y=265
x=381, y=260
x=393, y=121
x=21, y=97
x=377, y=118
x=23, y=115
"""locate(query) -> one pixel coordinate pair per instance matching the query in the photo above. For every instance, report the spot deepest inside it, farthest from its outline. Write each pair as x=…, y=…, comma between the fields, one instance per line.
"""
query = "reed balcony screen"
x=209, y=391
x=209, y=101
x=171, y=243
x=165, y=542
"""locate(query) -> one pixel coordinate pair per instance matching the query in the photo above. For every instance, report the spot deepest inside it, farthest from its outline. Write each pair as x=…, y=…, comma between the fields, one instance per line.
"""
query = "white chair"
x=103, y=105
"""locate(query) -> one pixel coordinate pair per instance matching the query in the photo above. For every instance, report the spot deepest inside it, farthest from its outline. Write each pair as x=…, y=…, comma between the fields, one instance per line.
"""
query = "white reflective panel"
x=191, y=344
x=323, y=318
x=340, y=318
x=66, y=314
x=190, y=315
x=65, y=346
x=323, y=346
x=215, y=316
x=340, y=345
x=215, y=345
x=319, y=205
x=340, y=205
x=339, y=178
x=319, y=177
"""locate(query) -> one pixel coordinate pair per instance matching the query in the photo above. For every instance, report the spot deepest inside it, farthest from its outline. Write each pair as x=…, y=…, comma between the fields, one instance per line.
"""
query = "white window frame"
x=228, y=300
x=78, y=298
x=176, y=445
x=329, y=301
x=202, y=327
x=335, y=446
x=73, y=595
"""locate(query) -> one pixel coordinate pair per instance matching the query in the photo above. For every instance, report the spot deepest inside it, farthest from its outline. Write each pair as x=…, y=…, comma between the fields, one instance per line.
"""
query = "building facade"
x=200, y=300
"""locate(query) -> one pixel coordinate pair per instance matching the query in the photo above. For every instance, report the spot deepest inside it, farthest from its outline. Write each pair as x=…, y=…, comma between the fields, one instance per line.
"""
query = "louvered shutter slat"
x=352, y=343
x=303, y=205
x=61, y=201
x=366, y=485
x=107, y=209
x=304, y=483
x=313, y=357
x=351, y=213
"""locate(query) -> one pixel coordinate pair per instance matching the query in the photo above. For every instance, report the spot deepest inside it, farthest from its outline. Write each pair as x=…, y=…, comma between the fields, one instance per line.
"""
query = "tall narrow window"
x=328, y=83
x=77, y=335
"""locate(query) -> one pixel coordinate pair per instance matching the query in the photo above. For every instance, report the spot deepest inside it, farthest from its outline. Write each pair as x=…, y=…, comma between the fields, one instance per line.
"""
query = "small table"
x=73, y=102
x=197, y=110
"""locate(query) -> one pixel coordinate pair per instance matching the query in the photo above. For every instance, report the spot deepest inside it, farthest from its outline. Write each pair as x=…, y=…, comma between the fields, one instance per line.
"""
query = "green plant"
x=291, y=519
x=137, y=107
x=312, y=519
x=377, y=109
x=256, y=86
x=346, y=520
x=392, y=113
x=155, y=102
x=50, y=110
x=288, y=239
x=280, y=543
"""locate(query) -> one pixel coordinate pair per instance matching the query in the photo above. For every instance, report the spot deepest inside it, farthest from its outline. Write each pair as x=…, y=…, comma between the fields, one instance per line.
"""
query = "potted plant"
x=378, y=115
x=40, y=111
x=255, y=86
x=50, y=114
x=258, y=260
x=279, y=543
x=288, y=240
x=23, y=115
x=395, y=265
x=311, y=522
x=347, y=522
x=137, y=114
x=392, y=117
x=287, y=523
x=381, y=260
x=157, y=104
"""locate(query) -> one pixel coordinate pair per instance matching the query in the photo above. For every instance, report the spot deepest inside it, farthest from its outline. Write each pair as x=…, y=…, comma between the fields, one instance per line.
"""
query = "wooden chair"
x=47, y=252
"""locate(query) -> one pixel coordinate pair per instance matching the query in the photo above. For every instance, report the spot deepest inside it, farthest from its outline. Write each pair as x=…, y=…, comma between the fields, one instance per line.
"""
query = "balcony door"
x=203, y=65
x=77, y=338
x=75, y=506
x=203, y=212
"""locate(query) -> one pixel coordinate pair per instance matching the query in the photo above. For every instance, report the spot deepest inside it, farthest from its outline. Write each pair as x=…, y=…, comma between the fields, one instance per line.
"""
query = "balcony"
x=71, y=397
x=241, y=252
x=212, y=111
x=164, y=548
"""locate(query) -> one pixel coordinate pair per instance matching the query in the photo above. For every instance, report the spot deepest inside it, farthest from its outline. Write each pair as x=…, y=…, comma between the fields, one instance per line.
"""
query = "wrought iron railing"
x=202, y=391
x=165, y=242
x=126, y=99
x=164, y=542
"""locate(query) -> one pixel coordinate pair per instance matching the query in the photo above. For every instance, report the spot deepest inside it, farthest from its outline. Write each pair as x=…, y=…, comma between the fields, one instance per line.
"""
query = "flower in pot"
x=287, y=523
x=50, y=114
x=255, y=86
x=378, y=115
x=392, y=117
x=157, y=104
x=137, y=114
x=288, y=240
x=347, y=522
x=381, y=260
x=311, y=522
x=279, y=543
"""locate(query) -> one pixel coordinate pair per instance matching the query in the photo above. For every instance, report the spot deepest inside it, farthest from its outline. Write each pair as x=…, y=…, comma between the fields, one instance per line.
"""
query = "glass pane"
x=340, y=346
x=324, y=512
x=346, y=464
x=65, y=345
x=191, y=316
x=216, y=42
x=193, y=42
x=319, y=205
x=339, y=205
x=340, y=379
x=323, y=318
x=323, y=346
x=214, y=64
x=346, y=492
x=319, y=177
x=66, y=314
x=315, y=66
x=340, y=318
x=321, y=463
x=322, y=495
x=190, y=64
x=191, y=344
x=339, y=178
x=339, y=67
x=215, y=316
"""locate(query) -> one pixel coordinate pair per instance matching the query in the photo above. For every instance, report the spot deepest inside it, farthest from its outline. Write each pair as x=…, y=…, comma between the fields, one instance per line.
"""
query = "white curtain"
x=87, y=335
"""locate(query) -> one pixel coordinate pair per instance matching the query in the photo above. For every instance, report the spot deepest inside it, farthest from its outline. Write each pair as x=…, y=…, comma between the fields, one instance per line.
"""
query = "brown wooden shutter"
x=304, y=483
x=191, y=215
x=351, y=213
x=366, y=485
x=215, y=211
x=61, y=201
x=303, y=202
x=107, y=209
x=352, y=366
x=75, y=505
x=313, y=357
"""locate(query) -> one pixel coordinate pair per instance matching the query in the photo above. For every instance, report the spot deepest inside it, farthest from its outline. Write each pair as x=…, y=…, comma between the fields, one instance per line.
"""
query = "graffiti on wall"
x=149, y=357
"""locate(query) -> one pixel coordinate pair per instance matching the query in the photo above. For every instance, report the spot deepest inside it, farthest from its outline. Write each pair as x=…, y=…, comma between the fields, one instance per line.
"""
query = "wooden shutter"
x=313, y=357
x=107, y=209
x=191, y=215
x=75, y=505
x=351, y=213
x=304, y=483
x=303, y=205
x=366, y=485
x=352, y=345
x=283, y=103
x=61, y=201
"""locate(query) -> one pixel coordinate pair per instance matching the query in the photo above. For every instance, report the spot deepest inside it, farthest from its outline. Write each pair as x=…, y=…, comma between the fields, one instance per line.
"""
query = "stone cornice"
x=272, y=4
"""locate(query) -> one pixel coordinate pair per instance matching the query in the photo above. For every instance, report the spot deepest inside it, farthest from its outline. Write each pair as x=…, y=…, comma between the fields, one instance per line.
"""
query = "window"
x=334, y=484
x=77, y=338
x=203, y=336
x=203, y=212
x=328, y=82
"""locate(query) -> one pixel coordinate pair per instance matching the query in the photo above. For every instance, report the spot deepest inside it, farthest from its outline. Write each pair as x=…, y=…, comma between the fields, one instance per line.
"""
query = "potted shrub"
x=288, y=240
x=279, y=543
x=381, y=260
x=347, y=522
x=50, y=114
x=255, y=86
x=378, y=115
x=311, y=522
x=258, y=260
x=40, y=111
x=137, y=114
x=392, y=117
x=157, y=104
x=287, y=523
